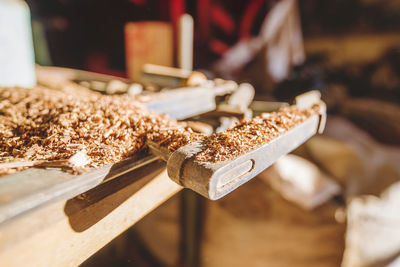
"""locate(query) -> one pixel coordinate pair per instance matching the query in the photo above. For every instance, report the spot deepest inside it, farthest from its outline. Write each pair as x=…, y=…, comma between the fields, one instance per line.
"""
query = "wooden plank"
x=31, y=188
x=25, y=190
x=65, y=233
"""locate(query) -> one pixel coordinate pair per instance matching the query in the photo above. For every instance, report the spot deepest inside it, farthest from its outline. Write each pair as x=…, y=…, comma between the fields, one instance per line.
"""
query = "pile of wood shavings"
x=40, y=124
x=250, y=134
x=46, y=125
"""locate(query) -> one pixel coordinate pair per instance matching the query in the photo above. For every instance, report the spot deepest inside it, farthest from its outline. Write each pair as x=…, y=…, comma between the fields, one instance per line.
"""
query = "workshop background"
x=347, y=49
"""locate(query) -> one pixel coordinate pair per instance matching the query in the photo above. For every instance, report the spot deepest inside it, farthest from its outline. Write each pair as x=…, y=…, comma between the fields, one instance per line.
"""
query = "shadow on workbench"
x=90, y=207
x=126, y=250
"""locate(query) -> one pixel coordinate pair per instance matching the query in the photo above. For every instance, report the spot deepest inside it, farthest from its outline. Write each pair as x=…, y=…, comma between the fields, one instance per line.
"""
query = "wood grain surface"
x=65, y=233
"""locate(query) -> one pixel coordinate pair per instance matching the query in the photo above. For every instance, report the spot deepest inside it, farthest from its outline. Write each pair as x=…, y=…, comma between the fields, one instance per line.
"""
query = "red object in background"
x=202, y=19
x=98, y=62
x=219, y=24
x=222, y=19
x=222, y=23
x=177, y=9
x=217, y=46
x=248, y=18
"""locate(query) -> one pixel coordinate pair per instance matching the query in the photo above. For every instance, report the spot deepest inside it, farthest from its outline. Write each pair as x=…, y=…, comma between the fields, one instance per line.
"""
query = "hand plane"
x=216, y=179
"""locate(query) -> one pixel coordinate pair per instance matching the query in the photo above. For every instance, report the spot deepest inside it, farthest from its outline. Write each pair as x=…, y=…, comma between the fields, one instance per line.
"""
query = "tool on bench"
x=215, y=180
x=23, y=191
x=178, y=103
x=168, y=77
x=34, y=187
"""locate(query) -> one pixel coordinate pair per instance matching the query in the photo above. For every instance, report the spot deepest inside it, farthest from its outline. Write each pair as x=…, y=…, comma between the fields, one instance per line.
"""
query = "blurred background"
x=347, y=49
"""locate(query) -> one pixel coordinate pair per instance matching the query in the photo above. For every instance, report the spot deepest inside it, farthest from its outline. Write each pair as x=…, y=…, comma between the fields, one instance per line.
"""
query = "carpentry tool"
x=179, y=103
x=29, y=189
x=215, y=180
x=168, y=77
x=34, y=187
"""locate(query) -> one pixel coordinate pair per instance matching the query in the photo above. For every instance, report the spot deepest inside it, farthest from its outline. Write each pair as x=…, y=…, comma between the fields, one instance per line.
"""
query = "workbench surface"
x=67, y=232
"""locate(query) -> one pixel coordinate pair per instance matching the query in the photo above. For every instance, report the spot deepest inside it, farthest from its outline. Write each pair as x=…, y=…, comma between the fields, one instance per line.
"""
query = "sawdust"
x=47, y=125
x=252, y=133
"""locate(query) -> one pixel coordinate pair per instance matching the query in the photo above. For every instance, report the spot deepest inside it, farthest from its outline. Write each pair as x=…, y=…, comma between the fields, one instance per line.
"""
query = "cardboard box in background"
x=147, y=42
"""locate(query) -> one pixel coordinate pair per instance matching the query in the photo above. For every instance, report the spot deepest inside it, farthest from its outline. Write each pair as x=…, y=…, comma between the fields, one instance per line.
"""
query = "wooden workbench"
x=40, y=224
x=66, y=232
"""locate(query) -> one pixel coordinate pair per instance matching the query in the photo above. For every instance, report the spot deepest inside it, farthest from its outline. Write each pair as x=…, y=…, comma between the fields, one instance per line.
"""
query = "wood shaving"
x=41, y=124
x=47, y=125
x=252, y=133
